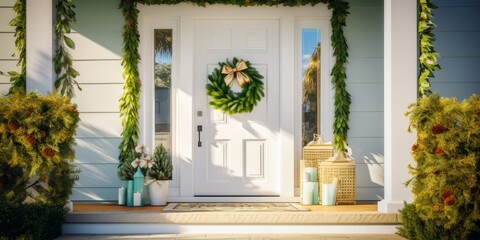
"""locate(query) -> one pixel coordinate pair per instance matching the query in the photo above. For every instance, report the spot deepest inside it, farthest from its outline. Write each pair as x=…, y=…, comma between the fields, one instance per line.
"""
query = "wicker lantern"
x=316, y=151
x=344, y=169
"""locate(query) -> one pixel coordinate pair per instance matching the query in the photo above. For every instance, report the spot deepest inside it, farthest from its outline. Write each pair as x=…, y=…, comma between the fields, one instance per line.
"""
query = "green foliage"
x=37, y=148
x=428, y=55
x=125, y=169
x=130, y=99
x=63, y=63
x=62, y=59
x=242, y=3
x=339, y=75
x=19, y=79
x=31, y=221
x=231, y=102
x=162, y=169
x=446, y=171
x=413, y=227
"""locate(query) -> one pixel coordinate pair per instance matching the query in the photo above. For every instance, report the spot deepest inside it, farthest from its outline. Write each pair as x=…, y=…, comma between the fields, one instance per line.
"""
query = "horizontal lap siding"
x=97, y=57
x=458, y=35
x=7, y=44
x=364, y=33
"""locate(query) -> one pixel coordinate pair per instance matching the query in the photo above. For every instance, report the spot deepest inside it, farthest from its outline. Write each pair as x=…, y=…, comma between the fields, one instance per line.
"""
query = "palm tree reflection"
x=311, y=97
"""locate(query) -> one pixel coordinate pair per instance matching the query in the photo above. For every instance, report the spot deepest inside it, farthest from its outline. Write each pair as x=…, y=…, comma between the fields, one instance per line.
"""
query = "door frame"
x=183, y=17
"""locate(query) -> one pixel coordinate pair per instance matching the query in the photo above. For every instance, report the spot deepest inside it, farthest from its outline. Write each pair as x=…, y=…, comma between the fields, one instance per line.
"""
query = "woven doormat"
x=234, y=207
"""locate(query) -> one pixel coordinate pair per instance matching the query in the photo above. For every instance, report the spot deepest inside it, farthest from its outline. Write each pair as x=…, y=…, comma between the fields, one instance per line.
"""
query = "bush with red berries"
x=446, y=170
x=37, y=148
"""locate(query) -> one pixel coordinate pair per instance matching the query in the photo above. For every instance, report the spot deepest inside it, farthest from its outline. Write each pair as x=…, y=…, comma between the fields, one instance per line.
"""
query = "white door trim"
x=327, y=92
x=147, y=105
x=182, y=85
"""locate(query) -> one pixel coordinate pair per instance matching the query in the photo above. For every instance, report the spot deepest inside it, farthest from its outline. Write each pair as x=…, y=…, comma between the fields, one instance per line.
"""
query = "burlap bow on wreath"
x=237, y=73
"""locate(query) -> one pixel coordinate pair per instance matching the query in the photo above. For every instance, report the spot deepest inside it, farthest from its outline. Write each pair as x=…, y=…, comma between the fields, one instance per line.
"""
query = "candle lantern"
x=138, y=185
x=342, y=168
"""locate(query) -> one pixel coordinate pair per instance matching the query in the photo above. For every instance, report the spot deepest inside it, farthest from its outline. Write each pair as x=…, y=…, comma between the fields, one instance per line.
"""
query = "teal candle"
x=139, y=185
x=130, y=193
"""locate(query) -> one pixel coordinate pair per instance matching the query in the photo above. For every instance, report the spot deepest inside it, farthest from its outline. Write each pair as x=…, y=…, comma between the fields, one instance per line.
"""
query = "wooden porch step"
x=294, y=218
x=107, y=219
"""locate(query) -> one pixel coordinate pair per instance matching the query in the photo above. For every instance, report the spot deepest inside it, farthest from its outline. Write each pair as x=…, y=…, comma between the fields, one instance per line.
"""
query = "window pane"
x=311, y=53
x=163, y=79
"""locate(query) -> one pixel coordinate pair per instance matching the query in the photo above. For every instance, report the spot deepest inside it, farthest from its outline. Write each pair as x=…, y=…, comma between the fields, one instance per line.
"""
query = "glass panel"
x=311, y=53
x=163, y=79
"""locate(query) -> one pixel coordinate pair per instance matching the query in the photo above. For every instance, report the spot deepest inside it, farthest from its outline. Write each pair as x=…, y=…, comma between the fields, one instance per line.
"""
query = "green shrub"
x=37, y=150
x=446, y=170
x=31, y=220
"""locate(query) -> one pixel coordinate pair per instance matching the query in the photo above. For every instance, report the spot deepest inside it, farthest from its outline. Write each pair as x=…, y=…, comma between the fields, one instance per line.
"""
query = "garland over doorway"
x=130, y=99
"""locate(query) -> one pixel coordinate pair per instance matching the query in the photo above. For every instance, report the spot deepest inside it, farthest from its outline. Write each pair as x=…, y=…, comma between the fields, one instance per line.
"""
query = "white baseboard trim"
x=385, y=206
x=142, y=228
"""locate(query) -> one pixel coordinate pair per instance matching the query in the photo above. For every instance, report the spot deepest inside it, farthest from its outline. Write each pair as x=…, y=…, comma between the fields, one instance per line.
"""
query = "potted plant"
x=135, y=161
x=160, y=173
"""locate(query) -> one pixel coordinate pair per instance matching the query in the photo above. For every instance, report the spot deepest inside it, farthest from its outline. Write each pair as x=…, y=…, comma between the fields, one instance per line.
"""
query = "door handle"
x=199, y=130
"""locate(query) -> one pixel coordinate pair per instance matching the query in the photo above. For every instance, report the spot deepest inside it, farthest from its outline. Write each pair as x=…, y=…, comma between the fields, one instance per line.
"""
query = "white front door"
x=239, y=154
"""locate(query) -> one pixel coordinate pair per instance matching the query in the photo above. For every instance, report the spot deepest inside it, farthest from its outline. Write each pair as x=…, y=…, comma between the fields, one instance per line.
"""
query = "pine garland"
x=428, y=55
x=339, y=75
x=19, y=79
x=63, y=63
x=132, y=83
x=130, y=100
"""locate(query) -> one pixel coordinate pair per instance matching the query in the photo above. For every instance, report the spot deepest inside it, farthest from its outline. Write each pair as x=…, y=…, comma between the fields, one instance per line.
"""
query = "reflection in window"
x=163, y=79
x=311, y=52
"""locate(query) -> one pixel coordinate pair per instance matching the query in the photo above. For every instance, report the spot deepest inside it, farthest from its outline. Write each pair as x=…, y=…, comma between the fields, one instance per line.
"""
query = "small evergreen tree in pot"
x=161, y=173
x=162, y=167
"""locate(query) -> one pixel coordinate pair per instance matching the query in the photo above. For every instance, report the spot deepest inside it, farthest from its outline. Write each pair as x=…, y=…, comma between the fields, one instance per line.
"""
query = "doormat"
x=234, y=207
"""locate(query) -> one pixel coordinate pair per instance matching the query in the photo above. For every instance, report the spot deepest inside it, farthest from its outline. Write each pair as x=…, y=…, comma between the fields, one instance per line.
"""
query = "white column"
x=400, y=66
x=40, y=71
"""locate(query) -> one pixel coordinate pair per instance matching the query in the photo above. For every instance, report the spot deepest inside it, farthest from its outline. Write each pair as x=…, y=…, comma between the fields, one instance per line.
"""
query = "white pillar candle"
x=121, y=196
x=329, y=194
x=307, y=193
x=137, y=199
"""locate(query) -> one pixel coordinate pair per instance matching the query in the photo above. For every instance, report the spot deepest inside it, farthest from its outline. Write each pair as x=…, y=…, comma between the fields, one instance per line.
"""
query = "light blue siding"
x=458, y=36
x=7, y=44
x=364, y=33
x=98, y=59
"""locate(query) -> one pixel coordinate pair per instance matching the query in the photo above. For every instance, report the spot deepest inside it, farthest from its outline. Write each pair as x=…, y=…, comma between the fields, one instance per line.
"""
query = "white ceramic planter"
x=158, y=192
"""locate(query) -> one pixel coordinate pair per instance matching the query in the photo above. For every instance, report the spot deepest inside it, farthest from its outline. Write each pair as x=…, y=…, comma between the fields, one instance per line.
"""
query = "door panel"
x=239, y=153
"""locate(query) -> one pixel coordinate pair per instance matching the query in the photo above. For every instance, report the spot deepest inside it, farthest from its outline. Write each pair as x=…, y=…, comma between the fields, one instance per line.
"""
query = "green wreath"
x=222, y=95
